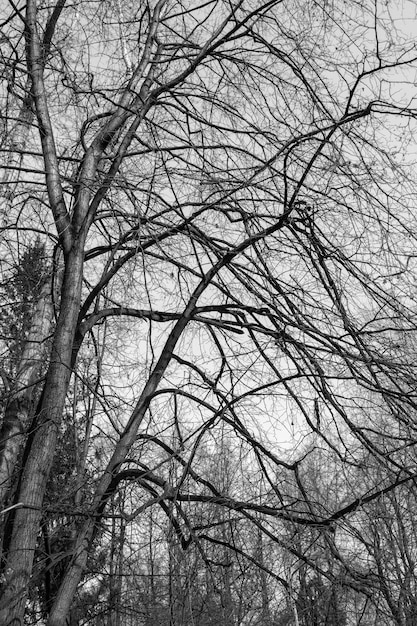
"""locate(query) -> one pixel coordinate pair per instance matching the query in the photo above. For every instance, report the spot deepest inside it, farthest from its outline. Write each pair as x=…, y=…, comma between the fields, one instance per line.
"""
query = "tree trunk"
x=116, y=570
x=16, y=144
x=266, y=609
x=40, y=450
x=18, y=411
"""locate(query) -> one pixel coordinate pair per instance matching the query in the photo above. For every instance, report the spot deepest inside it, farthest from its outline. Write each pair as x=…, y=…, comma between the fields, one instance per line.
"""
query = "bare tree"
x=228, y=186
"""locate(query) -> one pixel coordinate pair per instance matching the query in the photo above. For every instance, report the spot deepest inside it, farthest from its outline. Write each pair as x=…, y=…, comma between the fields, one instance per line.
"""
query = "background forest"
x=208, y=313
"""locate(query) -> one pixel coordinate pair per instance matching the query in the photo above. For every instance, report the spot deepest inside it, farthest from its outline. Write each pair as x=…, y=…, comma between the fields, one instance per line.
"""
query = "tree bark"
x=18, y=411
x=40, y=449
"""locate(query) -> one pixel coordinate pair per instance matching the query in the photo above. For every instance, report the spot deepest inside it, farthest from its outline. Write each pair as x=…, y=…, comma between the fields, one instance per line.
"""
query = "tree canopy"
x=208, y=322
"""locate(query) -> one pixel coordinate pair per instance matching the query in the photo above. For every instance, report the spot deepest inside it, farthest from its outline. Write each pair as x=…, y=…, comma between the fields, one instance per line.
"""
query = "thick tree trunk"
x=40, y=450
x=18, y=411
x=19, y=404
